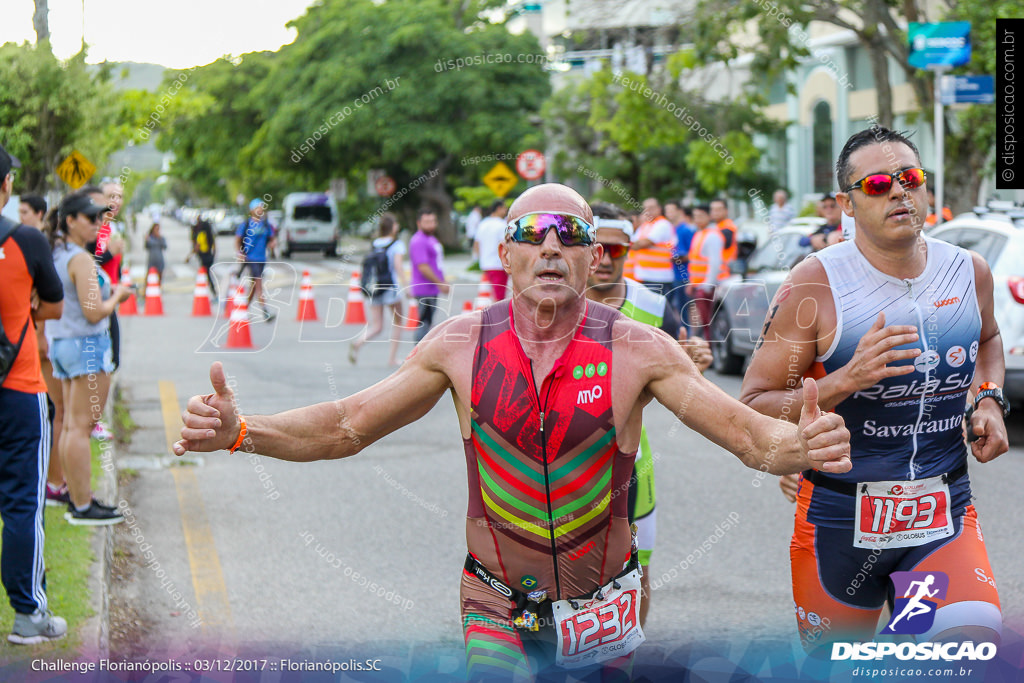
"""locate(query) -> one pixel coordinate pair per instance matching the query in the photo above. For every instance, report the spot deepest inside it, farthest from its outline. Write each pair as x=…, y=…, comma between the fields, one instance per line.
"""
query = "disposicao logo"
x=913, y=613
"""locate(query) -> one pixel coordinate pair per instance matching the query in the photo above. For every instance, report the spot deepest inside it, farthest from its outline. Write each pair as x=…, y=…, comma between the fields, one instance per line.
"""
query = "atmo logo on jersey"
x=914, y=612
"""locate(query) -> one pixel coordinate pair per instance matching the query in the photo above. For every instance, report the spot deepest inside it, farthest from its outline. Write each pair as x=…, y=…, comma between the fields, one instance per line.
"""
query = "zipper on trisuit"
x=547, y=480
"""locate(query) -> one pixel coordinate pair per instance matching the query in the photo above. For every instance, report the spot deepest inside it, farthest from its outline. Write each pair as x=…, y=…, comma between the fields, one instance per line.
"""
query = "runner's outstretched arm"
x=820, y=440
x=325, y=431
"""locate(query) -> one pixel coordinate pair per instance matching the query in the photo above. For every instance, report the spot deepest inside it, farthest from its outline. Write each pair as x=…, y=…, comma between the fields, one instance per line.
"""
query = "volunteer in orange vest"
x=651, y=252
x=707, y=267
x=933, y=219
x=720, y=215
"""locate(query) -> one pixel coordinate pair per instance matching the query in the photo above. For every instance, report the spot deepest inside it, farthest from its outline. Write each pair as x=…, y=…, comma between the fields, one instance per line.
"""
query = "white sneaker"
x=38, y=627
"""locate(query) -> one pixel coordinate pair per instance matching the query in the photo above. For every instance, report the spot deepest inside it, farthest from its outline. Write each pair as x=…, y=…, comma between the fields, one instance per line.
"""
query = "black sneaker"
x=94, y=515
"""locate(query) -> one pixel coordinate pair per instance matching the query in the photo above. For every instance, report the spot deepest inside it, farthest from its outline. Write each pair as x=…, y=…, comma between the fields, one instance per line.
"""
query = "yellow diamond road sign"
x=76, y=170
x=501, y=179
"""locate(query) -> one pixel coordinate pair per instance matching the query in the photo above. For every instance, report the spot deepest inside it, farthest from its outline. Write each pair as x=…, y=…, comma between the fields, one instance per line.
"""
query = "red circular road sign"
x=531, y=164
x=385, y=186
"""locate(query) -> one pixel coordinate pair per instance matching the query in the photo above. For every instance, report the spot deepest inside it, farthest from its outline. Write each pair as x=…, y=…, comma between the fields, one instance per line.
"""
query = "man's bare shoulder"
x=451, y=344
x=641, y=345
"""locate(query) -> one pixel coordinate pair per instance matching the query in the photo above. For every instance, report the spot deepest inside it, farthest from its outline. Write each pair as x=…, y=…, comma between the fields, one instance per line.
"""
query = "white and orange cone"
x=238, y=330
x=201, y=297
x=412, y=321
x=154, y=304
x=484, y=295
x=307, y=305
x=129, y=306
x=355, y=308
x=229, y=300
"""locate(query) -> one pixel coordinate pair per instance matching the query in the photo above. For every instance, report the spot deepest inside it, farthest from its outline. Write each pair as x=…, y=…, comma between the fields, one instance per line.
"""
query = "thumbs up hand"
x=824, y=439
x=211, y=421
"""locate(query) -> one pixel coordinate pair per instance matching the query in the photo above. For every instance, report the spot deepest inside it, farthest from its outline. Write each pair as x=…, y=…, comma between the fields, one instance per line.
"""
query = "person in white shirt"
x=472, y=223
x=489, y=234
x=781, y=211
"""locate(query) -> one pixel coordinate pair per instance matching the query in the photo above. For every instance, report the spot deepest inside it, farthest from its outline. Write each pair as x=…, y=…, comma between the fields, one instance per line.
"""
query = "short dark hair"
x=388, y=221
x=874, y=135
x=35, y=202
x=607, y=210
x=718, y=199
x=706, y=208
x=89, y=189
x=674, y=202
x=426, y=210
x=494, y=206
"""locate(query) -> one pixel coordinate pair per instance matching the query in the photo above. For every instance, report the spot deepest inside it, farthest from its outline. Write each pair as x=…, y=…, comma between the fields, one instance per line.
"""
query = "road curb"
x=96, y=629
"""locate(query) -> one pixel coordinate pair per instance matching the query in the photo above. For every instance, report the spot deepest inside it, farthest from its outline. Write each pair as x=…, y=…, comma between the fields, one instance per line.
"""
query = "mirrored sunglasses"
x=532, y=228
x=880, y=183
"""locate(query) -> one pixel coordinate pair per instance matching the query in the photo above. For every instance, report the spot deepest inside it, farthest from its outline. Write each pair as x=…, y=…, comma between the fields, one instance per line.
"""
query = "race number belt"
x=848, y=488
x=590, y=629
x=602, y=627
x=902, y=514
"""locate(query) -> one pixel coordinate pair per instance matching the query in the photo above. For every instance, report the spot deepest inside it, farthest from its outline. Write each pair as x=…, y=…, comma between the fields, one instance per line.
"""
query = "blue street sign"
x=972, y=89
x=937, y=45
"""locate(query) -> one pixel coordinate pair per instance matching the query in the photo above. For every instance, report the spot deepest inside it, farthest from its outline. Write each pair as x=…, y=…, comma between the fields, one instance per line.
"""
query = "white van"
x=310, y=223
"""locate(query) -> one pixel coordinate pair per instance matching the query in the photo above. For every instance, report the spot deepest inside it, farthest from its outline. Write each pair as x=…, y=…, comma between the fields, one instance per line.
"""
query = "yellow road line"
x=207, y=579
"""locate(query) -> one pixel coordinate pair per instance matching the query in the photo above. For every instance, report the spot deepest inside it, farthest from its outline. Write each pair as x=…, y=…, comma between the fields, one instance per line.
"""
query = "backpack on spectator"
x=8, y=351
x=376, y=271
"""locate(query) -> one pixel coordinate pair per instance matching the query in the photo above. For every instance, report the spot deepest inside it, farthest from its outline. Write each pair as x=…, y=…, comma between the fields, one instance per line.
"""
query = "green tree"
x=780, y=43
x=369, y=85
x=50, y=108
x=207, y=123
x=651, y=137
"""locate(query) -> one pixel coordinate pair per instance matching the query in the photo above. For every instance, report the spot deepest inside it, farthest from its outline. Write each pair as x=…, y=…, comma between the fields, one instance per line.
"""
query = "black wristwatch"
x=992, y=390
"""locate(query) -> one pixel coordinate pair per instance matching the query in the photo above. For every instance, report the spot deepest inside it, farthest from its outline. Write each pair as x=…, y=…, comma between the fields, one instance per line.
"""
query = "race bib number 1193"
x=902, y=514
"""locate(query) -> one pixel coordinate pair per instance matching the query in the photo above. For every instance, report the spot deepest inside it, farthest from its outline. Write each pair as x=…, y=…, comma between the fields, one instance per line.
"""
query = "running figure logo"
x=914, y=613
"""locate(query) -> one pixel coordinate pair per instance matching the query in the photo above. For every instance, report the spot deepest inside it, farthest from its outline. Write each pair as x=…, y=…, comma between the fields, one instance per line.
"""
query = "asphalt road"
x=232, y=553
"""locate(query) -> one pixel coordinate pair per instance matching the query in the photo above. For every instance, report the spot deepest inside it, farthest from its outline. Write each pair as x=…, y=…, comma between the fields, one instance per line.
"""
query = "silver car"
x=1001, y=244
x=741, y=302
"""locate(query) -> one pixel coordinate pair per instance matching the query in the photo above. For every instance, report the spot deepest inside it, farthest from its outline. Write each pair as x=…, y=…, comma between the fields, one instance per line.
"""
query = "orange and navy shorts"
x=839, y=590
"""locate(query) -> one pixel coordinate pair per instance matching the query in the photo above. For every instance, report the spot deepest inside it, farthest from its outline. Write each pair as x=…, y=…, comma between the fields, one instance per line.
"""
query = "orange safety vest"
x=655, y=260
x=699, y=264
x=731, y=252
x=947, y=215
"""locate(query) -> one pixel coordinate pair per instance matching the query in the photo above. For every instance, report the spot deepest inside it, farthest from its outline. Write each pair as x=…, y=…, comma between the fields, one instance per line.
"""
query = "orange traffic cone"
x=154, y=305
x=355, y=310
x=412, y=321
x=129, y=306
x=238, y=330
x=229, y=298
x=484, y=295
x=201, y=297
x=307, y=305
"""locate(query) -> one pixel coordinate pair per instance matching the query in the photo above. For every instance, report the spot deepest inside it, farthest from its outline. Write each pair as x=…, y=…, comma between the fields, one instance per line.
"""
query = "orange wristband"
x=241, y=434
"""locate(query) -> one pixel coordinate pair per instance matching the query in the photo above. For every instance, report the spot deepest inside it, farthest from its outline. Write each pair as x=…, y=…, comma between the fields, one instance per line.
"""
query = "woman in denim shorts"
x=80, y=351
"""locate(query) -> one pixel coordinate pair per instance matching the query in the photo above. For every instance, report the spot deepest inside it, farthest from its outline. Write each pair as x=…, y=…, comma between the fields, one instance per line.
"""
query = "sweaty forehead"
x=553, y=198
x=887, y=157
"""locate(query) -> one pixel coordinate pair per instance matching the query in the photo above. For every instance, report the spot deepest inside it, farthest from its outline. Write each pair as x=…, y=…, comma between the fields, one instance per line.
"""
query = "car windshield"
x=313, y=213
x=778, y=253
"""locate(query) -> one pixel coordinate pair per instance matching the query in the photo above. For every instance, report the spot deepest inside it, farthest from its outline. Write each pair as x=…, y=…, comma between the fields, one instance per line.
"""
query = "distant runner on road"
x=549, y=390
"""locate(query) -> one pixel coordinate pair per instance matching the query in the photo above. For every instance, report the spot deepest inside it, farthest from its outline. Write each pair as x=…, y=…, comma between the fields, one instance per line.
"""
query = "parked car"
x=1001, y=244
x=310, y=223
x=228, y=225
x=741, y=301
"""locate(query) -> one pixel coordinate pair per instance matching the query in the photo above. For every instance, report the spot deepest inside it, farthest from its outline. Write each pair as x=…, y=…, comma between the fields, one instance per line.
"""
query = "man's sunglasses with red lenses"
x=615, y=251
x=532, y=228
x=880, y=183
